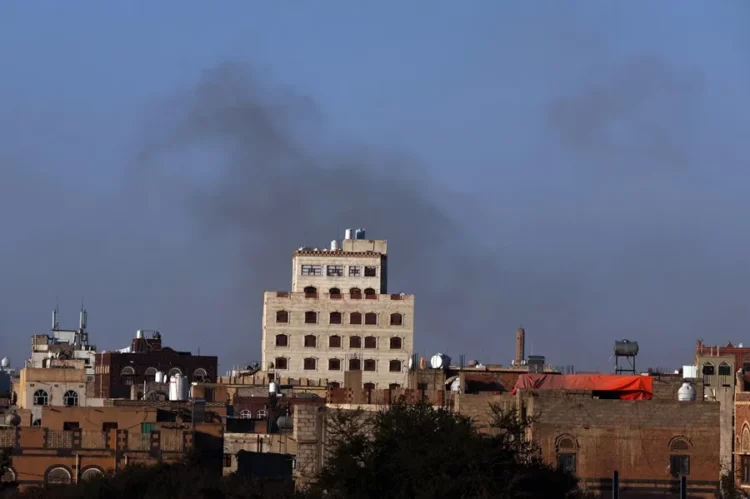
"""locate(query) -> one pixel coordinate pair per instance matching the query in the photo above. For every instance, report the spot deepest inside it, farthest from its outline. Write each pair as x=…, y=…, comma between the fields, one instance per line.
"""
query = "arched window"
x=311, y=317
x=245, y=414
x=311, y=341
x=311, y=292
x=370, y=364
x=355, y=294
x=91, y=472
x=127, y=375
x=280, y=363
x=355, y=342
x=745, y=442
x=282, y=340
x=355, y=318
x=394, y=386
x=175, y=371
x=334, y=364
x=150, y=374
x=397, y=319
x=335, y=318
x=566, y=449
x=282, y=316
x=354, y=365
x=394, y=366
x=334, y=293
x=334, y=341
x=200, y=375
x=41, y=397
x=395, y=343
x=369, y=386
x=70, y=399
x=370, y=294
x=679, y=456
x=9, y=476
x=58, y=476
x=310, y=364
x=708, y=373
x=334, y=384
x=371, y=342
x=725, y=374
x=371, y=318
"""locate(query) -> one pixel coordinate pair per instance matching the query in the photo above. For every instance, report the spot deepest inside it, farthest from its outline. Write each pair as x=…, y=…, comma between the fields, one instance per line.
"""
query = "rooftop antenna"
x=55, y=313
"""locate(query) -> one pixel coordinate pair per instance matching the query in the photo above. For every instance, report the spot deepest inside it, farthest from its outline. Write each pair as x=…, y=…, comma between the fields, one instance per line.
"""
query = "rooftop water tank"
x=686, y=393
x=273, y=387
x=359, y=234
x=334, y=245
x=348, y=234
x=626, y=348
x=12, y=419
x=440, y=361
x=5, y=363
x=159, y=377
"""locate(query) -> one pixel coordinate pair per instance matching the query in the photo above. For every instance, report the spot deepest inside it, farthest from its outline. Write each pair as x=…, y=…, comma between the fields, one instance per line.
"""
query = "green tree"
x=418, y=452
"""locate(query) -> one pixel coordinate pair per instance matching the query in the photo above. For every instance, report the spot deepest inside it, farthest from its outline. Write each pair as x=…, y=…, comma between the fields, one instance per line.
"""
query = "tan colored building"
x=62, y=384
x=339, y=317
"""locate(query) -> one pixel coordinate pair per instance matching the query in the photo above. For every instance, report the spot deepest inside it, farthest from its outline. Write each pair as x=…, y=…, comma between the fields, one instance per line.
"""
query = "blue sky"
x=592, y=154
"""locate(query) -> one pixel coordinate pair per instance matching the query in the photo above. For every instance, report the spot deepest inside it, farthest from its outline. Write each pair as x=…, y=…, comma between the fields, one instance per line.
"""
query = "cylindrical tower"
x=520, y=346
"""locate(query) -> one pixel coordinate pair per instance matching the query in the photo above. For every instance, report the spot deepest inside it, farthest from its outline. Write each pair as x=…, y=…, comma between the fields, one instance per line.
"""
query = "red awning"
x=628, y=387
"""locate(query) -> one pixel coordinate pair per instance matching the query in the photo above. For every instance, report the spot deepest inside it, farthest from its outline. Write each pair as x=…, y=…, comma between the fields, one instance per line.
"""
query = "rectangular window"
x=227, y=460
x=335, y=271
x=371, y=271
x=71, y=425
x=312, y=270
x=109, y=426
x=679, y=465
x=147, y=428
x=567, y=462
x=745, y=469
x=354, y=271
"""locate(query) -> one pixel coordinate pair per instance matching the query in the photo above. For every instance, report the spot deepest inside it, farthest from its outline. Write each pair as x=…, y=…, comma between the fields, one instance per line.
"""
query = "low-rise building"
x=61, y=384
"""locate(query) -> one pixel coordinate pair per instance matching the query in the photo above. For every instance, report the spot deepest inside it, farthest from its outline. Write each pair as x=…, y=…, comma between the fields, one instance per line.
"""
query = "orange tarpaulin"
x=628, y=387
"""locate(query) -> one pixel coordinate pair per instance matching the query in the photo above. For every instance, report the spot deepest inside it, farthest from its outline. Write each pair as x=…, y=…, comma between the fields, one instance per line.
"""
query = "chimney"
x=520, y=346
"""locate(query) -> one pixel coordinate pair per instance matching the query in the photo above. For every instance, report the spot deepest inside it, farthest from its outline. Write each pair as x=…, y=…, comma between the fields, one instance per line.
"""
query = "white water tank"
x=689, y=372
x=334, y=245
x=274, y=387
x=159, y=377
x=348, y=234
x=139, y=333
x=173, y=388
x=440, y=361
x=182, y=388
x=686, y=393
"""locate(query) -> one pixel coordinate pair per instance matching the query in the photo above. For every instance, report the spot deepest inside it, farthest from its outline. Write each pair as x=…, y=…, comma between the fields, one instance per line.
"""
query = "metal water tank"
x=686, y=393
x=348, y=233
x=159, y=377
x=359, y=234
x=440, y=361
x=625, y=348
x=5, y=363
x=173, y=388
x=334, y=245
x=183, y=387
x=273, y=387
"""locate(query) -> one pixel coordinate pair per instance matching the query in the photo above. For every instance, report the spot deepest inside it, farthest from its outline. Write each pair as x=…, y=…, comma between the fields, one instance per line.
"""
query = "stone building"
x=339, y=317
x=63, y=344
x=117, y=372
x=61, y=384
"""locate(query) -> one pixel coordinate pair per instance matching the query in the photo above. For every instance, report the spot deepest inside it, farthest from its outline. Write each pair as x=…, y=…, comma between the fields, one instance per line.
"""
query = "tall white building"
x=339, y=316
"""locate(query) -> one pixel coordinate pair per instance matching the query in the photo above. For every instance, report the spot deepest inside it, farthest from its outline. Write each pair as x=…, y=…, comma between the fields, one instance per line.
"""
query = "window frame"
x=370, y=271
x=282, y=314
x=286, y=340
x=334, y=271
x=391, y=365
x=305, y=364
x=358, y=341
x=311, y=313
x=338, y=338
x=339, y=318
x=370, y=365
x=393, y=339
x=355, y=270
x=398, y=322
x=71, y=395
x=43, y=394
x=276, y=364
x=311, y=270
x=314, y=341
x=337, y=363
x=371, y=315
x=371, y=342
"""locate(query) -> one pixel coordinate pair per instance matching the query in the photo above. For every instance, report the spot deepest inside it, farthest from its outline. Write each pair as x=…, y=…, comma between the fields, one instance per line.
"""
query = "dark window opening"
x=354, y=364
x=371, y=318
x=311, y=292
x=369, y=386
x=109, y=426
x=280, y=363
x=310, y=364
x=679, y=464
x=370, y=365
x=394, y=366
x=394, y=386
x=371, y=271
x=282, y=316
x=282, y=340
x=311, y=341
x=334, y=293
x=355, y=294
x=335, y=271
x=227, y=460
x=335, y=318
x=311, y=317
x=355, y=342
x=355, y=318
x=71, y=425
x=397, y=320
x=567, y=462
x=334, y=364
x=395, y=343
x=371, y=342
x=370, y=294
x=334, y=342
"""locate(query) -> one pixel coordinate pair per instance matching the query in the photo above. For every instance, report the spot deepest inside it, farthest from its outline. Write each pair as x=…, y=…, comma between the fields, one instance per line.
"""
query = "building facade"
x=63, y=344
x=339, y=317
x=61, y=384
x=117, y=372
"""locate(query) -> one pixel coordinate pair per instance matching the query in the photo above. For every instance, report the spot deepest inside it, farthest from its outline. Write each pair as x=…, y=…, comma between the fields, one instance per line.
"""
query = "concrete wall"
x=346, y=260
x=296, y=329
x=277, y=443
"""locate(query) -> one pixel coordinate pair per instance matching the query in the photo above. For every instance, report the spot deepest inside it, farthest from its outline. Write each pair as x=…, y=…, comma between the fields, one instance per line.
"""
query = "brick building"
x=116, y=372
x=339, y=317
